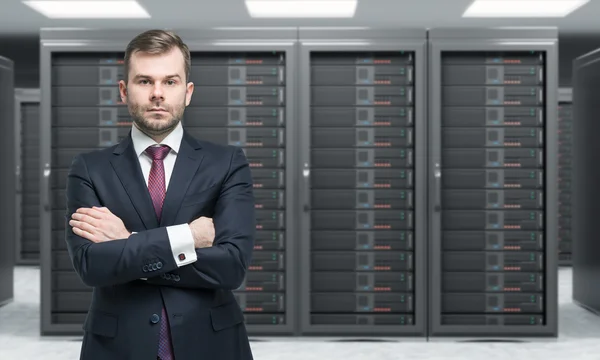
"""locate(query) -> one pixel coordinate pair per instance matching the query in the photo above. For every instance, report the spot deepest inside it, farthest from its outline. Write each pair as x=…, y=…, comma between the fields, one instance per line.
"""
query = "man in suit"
x=144, y=214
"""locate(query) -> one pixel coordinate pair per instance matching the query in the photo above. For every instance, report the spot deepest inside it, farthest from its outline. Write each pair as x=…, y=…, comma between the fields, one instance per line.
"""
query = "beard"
x=156, y=124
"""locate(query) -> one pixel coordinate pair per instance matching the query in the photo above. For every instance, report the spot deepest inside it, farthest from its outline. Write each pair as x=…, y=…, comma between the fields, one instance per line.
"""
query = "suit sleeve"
x=143, y=254
x=224, y=265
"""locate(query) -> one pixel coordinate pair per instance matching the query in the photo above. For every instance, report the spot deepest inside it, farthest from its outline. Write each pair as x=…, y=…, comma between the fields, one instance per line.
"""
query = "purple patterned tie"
x=157, y=189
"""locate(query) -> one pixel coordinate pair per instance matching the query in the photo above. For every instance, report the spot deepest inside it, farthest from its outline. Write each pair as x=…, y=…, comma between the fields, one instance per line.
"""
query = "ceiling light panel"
x=523, y=8
x=301, y=8
x=89, y=9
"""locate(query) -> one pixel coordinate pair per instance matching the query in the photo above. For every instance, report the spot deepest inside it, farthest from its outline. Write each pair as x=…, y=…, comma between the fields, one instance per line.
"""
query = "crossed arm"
x=100, y=260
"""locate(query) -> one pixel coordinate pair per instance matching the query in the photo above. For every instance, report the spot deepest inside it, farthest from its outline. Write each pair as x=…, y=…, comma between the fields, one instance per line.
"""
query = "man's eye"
x=143, y=81
x=171, y=82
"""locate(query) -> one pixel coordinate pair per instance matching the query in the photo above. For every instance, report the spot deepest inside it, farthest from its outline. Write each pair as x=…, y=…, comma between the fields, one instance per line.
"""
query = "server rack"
x=363, y=231
x=244, y=96
x=7, y=180
x=565, y=171
x=27, y=125
x=493, y=193
x=586, y=196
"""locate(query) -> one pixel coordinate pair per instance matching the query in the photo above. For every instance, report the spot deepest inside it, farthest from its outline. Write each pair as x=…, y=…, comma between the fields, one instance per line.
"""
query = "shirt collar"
x=142, y=141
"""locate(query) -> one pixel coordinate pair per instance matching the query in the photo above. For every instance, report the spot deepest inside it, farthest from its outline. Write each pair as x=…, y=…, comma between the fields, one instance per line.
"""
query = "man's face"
x=156, y=93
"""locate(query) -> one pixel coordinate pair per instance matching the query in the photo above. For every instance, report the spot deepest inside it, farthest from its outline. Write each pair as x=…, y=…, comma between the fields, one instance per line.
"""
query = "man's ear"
x=188, y=93
x=123, y=90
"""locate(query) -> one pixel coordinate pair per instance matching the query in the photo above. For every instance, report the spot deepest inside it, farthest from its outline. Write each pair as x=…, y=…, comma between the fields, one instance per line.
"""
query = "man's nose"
x=157, y=91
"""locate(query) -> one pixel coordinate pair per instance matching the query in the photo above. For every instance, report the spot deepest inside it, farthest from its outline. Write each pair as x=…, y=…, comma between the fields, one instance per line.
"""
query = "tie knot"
x=158, y=152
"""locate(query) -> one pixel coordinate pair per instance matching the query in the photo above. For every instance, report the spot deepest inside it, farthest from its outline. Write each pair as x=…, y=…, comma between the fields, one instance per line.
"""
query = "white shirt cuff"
x=182, y=244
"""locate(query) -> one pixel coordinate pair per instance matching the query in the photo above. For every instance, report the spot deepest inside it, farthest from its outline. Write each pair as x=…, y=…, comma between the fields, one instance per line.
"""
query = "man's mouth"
x=157, y=110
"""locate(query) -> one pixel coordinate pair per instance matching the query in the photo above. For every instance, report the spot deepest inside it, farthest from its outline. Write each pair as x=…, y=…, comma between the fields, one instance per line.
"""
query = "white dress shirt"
x=180, y=236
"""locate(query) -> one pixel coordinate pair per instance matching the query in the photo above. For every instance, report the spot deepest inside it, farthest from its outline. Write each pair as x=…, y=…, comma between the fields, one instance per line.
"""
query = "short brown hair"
x=157, y=42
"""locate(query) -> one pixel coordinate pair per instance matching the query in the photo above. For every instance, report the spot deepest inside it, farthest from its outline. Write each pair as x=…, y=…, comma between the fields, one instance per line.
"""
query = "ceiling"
x=16, y=18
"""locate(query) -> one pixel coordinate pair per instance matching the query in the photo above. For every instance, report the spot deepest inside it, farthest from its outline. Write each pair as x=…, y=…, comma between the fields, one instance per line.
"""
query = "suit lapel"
x=187, y=163
x=127, y=167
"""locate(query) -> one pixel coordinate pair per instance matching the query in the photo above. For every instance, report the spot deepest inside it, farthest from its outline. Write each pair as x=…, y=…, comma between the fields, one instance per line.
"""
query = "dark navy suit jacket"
x=206, y=322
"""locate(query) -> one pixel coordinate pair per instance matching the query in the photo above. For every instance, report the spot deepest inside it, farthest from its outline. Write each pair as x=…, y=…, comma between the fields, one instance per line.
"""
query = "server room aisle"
x=579, y=336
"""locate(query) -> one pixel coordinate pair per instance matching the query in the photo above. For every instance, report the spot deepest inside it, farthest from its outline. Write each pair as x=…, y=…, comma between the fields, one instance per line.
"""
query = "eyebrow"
x=140, y=76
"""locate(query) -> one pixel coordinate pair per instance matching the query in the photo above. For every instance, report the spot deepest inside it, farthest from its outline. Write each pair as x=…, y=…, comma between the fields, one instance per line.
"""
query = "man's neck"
x=156, y=137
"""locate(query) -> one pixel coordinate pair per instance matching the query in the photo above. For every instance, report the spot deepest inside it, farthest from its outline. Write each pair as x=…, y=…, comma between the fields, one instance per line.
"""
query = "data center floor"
x=579, y=336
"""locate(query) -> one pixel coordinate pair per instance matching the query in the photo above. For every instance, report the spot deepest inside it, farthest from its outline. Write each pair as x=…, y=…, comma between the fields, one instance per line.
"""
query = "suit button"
x=145, y=268
x=168, y=276
x=154, y=318
x=159, y=265
x=176, y=277
x=154, y=267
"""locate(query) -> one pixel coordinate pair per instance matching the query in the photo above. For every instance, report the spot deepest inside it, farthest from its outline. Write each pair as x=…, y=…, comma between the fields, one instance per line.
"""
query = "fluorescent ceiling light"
x=301, y=8
x=523, y=8
x=108, y=9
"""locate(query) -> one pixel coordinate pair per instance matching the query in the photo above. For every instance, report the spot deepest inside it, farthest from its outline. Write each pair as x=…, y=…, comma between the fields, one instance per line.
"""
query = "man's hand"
x=203, y=231
x=98, y=224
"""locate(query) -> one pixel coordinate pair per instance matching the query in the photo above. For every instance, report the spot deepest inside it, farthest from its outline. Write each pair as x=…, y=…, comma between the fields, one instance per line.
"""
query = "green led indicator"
x=401, y=216
x=402, y=195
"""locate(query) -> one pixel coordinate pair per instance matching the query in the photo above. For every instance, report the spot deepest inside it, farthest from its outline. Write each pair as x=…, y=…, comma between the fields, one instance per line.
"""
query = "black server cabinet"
x=8, y=201
x=493, y=198
x=243, y=96
x=363, y=182
x=27, y=151
x=586, y=177
x=565, y=171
